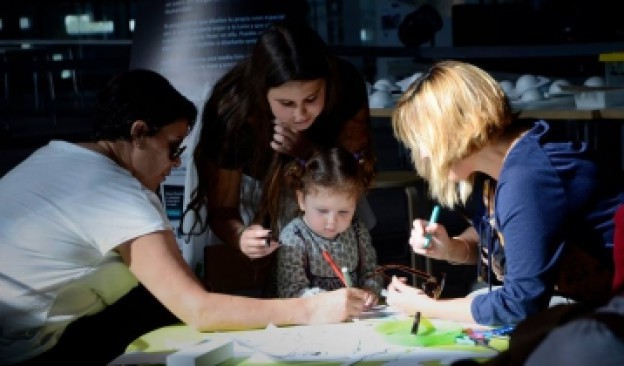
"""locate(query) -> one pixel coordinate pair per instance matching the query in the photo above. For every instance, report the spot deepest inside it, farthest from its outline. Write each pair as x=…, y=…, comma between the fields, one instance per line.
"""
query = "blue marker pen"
x=434, y=218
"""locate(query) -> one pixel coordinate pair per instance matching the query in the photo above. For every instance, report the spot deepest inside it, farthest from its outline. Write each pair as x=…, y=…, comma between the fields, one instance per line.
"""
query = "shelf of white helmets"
x=610, y=113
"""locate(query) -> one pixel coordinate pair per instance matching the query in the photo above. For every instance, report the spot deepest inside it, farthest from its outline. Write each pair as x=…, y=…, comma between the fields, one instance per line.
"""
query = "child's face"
x=326, y=211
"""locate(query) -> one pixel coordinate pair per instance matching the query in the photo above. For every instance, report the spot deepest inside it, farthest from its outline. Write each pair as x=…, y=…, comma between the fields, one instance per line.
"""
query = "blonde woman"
x=543, y=221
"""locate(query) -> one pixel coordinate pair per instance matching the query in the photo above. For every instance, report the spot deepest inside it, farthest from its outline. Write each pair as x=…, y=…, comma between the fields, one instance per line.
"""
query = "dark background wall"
x=49, y=77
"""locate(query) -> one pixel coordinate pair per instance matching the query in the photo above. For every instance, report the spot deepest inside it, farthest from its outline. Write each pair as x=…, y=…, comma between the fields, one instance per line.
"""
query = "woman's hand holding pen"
x=439, y=243
x=406, y=298
x=458, y=249
x=253, y=242
x=290, y=142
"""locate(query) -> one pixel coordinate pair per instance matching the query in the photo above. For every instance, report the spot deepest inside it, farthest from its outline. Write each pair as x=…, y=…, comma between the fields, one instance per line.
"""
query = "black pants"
x=98, y=339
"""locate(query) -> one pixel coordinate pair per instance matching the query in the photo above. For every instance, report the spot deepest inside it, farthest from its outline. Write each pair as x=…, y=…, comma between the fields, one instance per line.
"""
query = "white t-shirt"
x=62, y=211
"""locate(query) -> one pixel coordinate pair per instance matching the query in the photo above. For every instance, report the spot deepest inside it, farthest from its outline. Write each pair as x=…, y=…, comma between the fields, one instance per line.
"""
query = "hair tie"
x=359, y=157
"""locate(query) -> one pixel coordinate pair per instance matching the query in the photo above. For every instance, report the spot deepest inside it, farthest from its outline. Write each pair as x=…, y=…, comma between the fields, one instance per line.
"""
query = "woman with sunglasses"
x=543, y=221
x=81, y=228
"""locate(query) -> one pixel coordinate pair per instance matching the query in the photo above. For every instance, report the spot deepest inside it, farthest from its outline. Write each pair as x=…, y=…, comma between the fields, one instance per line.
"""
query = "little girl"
x=325, y=238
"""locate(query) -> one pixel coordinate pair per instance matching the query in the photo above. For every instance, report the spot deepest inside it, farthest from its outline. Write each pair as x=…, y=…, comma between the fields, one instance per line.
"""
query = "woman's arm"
x=531, y=211
x=157, y=263
x=410, y=300
x=225, y=219
x=223, y=206
x=461, y=249
x=465, y=250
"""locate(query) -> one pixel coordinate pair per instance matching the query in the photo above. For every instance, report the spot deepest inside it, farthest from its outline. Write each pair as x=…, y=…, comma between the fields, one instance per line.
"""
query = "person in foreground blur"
x=287, y=98
x=586, y=341
x=81, y=227
x=543, y=221
x=326, y=237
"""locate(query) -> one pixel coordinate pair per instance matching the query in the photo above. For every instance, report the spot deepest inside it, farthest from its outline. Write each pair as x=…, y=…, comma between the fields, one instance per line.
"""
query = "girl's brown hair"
x=335, y=168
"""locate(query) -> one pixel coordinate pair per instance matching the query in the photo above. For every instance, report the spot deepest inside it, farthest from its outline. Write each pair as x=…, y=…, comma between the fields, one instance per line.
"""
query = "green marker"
x=434, y=218
x=347, y=277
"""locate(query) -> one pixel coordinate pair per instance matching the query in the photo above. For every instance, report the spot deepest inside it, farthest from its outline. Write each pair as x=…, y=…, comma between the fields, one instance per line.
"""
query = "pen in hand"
x=347, y=277
x=434, y=218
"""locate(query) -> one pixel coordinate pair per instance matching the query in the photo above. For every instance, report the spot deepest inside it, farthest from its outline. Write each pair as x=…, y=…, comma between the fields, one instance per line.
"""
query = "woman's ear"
x=138, y=131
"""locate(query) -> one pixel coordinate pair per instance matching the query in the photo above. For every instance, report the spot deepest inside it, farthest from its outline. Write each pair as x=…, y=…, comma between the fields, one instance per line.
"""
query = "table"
x=354, y=342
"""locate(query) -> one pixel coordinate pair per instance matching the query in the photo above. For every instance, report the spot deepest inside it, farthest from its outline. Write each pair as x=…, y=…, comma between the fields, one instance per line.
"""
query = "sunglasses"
x=432, y=286
x=176, y=152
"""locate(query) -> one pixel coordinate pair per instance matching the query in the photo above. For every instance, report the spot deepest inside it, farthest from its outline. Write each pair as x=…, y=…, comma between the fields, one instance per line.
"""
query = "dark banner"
x=194, y=42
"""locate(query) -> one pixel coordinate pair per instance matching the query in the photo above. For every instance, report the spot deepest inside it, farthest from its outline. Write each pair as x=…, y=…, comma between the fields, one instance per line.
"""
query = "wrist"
x=239, y=235
x=461, y=246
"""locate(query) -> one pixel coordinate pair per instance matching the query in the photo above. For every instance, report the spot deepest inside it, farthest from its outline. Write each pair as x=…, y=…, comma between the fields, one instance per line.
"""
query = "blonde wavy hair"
x=452, y=111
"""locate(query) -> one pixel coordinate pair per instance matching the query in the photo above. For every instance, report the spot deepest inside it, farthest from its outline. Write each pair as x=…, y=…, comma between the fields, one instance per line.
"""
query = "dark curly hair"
x=138, y=95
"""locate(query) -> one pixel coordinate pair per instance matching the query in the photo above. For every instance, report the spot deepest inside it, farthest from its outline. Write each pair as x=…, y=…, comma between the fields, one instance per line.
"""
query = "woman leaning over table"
x=288, y=97
x=81, y=227
x=543, y=207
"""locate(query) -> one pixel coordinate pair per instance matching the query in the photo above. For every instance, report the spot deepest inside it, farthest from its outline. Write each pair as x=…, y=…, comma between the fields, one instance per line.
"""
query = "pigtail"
x=293, y=176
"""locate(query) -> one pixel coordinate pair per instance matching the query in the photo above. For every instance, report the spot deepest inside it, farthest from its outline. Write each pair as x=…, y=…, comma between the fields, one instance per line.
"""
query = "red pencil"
x=334, y=267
